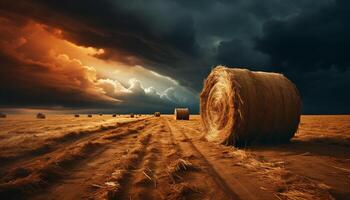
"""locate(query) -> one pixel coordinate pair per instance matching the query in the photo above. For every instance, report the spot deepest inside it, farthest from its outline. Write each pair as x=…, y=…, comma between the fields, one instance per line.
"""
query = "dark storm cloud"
x=157, y=34
x=312, y=49
x=311, y=40
x=167, y=36
x=237, y=52
x=306, y=40
x=132, y=28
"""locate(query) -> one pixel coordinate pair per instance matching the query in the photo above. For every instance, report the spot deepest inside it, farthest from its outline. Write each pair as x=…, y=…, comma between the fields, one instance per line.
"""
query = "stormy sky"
x=142, y=56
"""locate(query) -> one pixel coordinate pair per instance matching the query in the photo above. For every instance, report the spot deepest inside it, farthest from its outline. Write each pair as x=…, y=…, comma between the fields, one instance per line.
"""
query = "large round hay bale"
x=2, y=115
x=132, y=115
x=76, y=115
x=239, y=107
x=157, y=114
x=182, y=113
x=40, y=116
x=89, y=115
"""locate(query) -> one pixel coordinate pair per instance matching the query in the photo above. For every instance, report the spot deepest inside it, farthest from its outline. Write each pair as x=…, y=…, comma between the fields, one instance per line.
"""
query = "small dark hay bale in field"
x=157, y=114
x=40, y=116
x=182, y=113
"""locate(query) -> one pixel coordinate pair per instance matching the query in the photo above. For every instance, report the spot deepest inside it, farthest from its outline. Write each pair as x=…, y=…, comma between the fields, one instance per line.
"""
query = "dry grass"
x=34, y=176
x=148, y=178
x=40, y=146
x=145, y=139
x=288, y=185
x=116, y=135
x=183, y=191
x=69, y=136
x=42, y=137
x=333, y=130
x=129, y=162
x=178, y=168
x=77, y=134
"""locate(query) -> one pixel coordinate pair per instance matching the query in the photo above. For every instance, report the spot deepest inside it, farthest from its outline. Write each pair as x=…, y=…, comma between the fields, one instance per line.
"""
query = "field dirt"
x=148, y=157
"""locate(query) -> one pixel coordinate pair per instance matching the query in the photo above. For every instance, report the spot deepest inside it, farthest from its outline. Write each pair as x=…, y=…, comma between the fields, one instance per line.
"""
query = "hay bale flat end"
x=182, y=113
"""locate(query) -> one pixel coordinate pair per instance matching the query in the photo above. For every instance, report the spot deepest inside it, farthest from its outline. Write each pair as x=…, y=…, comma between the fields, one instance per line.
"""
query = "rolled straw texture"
x=239, y=107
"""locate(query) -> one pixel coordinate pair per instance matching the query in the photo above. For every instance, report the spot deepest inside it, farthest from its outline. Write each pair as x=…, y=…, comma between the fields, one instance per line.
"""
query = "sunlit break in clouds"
x=44, y=70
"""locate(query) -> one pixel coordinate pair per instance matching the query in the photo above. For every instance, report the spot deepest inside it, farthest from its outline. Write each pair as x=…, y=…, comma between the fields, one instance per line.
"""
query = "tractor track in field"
x=228, y=178
x=44, y=171
x=228, y=193
x=154, y=158
x=149, y=177
x=129, y=167
x=84, y=179
x=272, y=179
x=169, y=166
x=53, y=144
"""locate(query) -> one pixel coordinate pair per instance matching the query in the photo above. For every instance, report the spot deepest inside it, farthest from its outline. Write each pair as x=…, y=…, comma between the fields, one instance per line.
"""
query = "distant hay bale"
x=114, y=115
x=132, y=115
x=2, y=115
x=239, y=107
x=89, y=115
x=157, y=114
x=100, y=114
x=76, y=115
x=40, y=116
x=182, y=113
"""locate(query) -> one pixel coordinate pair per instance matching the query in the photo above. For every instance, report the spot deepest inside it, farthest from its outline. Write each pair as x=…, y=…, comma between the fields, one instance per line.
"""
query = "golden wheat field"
x=147, y=157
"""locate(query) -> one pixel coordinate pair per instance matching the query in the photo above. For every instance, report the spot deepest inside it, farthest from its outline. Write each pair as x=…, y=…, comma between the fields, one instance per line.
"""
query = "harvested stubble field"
x=148, y=157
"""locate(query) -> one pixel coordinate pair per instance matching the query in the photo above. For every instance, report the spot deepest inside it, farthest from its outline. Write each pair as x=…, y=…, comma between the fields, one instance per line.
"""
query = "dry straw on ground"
x=182, y=113
x=239, y=107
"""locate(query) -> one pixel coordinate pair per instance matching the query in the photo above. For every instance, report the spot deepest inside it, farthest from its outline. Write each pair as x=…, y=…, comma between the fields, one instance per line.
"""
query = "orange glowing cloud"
x=42, y=69
x=40, y=60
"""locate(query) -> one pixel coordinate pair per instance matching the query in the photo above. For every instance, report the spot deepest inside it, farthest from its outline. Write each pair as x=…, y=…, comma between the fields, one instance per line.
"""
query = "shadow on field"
x=305, y=147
